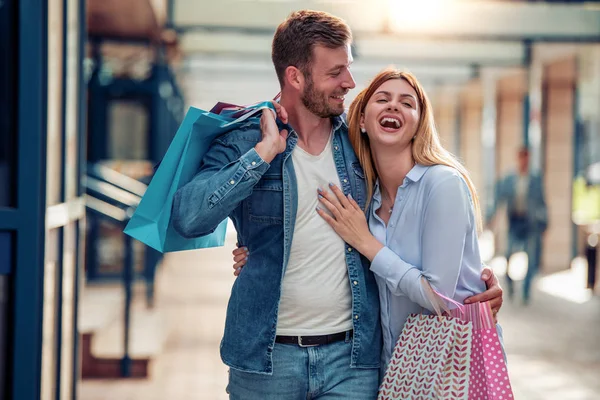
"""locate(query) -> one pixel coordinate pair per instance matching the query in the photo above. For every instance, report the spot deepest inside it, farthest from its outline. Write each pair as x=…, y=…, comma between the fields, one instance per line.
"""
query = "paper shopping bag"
x=431, y=360
x=151, y=221
x=488, y=375
x=489, y=378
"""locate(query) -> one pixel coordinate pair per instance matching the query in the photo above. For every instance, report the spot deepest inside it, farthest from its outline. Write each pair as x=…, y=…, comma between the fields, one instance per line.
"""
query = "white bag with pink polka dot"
x=489, y=375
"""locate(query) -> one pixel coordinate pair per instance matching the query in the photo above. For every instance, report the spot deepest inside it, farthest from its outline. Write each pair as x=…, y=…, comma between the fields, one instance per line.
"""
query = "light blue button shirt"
x=432, y=233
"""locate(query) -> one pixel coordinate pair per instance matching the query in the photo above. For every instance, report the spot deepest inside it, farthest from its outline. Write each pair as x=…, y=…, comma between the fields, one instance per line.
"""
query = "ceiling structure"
x=444, y=42
x=438, y=35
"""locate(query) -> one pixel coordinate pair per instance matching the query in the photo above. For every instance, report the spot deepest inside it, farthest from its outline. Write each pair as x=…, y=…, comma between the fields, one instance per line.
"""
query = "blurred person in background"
x=522, y=192
x=303, y=318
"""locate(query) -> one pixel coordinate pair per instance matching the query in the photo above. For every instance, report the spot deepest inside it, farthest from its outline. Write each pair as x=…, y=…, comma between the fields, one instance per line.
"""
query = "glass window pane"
x=128, y=138
x=128, y=124
x=7, y=103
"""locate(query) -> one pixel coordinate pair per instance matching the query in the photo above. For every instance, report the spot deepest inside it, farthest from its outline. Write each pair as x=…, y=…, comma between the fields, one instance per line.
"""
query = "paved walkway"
x=553, y=345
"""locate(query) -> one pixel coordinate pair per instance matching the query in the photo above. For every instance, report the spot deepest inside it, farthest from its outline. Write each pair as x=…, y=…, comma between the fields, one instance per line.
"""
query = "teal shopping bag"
x=151, y=221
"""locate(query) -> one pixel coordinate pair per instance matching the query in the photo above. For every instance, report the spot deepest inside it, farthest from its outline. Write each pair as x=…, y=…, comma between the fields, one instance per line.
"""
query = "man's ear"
x=294, y=77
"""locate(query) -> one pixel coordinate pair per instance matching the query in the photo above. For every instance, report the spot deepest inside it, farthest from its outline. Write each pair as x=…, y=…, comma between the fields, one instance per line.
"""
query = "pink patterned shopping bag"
x=489, y=375
x=431, y=360
x=456, y=356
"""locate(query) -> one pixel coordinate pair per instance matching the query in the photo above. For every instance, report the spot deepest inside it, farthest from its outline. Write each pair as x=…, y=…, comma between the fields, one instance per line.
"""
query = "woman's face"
x=391, y=117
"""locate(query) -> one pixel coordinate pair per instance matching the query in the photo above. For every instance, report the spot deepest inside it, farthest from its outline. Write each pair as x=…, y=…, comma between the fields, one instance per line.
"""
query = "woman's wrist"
x=370, y=247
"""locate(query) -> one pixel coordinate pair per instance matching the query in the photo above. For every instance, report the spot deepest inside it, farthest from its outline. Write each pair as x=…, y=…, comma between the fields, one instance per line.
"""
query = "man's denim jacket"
x=261, y=199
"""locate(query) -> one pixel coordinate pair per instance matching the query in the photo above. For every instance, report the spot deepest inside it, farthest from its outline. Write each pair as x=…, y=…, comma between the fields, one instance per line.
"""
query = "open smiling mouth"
x=390, y=123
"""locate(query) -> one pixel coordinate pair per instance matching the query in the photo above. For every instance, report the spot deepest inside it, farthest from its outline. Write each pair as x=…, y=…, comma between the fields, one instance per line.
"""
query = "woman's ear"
x=362, y=123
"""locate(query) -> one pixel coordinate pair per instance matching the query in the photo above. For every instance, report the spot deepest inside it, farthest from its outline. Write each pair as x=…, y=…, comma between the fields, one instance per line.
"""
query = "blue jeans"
x=303, y=373
x=532, y=245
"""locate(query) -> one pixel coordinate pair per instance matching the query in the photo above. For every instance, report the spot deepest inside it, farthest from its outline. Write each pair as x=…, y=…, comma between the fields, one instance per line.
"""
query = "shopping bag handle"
x=437, y=304
x=456, y=303
x=259, y=108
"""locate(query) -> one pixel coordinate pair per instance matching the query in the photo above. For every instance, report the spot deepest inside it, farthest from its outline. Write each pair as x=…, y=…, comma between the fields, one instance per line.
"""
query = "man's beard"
x=317, y=102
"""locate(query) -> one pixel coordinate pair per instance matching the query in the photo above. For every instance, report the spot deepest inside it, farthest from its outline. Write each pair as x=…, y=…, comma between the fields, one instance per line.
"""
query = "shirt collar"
x=417, y=172
x=336, y=122
x=376, y=191
x=414, y=175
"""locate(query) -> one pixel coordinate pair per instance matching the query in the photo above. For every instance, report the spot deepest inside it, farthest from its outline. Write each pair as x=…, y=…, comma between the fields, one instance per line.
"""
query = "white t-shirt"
x=521, y=195
x=315, y=297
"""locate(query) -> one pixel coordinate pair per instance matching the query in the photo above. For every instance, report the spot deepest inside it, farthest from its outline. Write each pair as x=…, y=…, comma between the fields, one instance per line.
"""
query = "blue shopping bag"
x=151, y=221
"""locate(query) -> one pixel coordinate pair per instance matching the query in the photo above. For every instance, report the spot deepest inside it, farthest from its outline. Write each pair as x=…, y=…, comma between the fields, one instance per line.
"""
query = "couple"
x=316, y=311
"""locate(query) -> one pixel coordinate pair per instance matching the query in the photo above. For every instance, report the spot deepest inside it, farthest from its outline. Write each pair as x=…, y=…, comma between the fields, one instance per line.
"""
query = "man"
x=523, y=194
x=303, y=319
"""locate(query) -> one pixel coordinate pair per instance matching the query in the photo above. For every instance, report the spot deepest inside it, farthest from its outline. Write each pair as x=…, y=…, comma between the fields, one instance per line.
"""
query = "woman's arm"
x=447, y=220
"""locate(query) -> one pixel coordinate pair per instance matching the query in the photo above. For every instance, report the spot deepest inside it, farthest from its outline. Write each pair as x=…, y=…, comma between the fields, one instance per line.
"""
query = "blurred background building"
x=92, y=92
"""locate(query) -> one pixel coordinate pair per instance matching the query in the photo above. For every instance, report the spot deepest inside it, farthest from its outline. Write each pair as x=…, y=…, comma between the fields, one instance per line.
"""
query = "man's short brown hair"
x=296, y=37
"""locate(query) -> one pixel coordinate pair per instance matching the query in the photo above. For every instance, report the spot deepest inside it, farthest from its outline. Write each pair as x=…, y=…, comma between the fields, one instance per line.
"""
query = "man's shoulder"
x=247, y=133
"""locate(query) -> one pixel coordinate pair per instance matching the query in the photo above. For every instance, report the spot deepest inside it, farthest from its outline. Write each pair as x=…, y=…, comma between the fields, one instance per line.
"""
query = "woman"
x=423, y=214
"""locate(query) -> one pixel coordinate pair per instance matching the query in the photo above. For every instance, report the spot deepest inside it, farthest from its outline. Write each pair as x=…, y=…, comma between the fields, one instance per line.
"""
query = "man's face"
x=328, y=81
x=523, y=160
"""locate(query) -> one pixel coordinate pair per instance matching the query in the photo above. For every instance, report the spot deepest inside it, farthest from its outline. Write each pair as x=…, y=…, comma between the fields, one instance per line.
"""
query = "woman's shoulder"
x=447, y=182
x=437, y=174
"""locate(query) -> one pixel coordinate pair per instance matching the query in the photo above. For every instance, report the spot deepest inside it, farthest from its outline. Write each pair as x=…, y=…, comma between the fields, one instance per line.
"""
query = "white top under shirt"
x=315, y=294
x=521, y=194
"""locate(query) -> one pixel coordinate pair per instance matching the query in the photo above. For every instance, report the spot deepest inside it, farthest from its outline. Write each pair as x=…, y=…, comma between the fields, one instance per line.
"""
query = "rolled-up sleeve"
x=448, y=219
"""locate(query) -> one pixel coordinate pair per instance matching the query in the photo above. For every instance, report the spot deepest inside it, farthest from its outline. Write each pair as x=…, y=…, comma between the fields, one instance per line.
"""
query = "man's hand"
x=273, y=142
x=493, y=294
x=240, y=257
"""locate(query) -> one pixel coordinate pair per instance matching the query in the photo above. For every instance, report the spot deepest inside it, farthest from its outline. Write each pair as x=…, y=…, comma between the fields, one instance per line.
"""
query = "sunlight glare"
x=416, y=15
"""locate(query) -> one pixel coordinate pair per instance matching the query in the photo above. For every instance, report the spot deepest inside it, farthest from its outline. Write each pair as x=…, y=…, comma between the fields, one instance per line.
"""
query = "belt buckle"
x=305, y=345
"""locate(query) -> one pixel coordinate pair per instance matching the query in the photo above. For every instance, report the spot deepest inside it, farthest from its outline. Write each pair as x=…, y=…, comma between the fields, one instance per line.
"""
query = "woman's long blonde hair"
x=426, y=148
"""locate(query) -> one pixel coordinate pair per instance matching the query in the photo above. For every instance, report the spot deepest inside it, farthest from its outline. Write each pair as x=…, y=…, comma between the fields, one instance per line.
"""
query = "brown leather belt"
x=309, y=341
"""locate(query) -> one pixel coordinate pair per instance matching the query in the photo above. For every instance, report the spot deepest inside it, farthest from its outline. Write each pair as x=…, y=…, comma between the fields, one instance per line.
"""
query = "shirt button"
x=231, y=182
x=336, y=147
x=253, y=162
x=349, y=249
x=345, y=180
x=356, y=316
x=355, y=283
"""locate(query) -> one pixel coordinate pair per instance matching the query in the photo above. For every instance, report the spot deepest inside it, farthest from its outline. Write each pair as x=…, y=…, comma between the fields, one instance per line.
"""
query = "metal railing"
x=122, y=191
x=112, y=197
